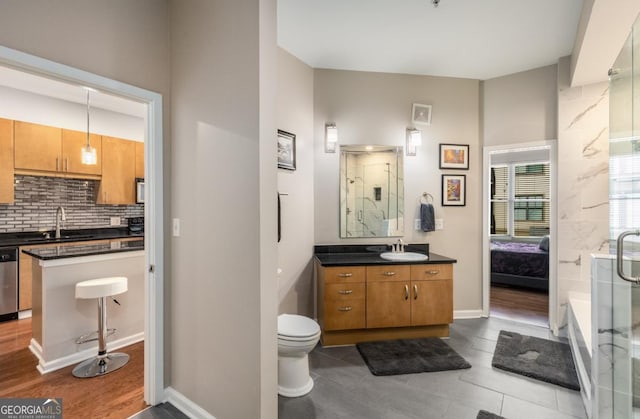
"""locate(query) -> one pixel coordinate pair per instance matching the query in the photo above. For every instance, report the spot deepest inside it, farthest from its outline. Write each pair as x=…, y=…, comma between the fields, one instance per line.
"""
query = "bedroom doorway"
x=519, y=225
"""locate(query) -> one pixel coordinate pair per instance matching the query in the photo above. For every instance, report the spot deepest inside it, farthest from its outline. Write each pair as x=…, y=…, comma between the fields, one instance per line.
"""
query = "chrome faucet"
x=60, y=216
x=400, y=246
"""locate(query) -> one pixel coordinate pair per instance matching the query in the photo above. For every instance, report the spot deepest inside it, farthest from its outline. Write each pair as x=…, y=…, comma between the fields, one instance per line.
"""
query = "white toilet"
x=297, y=336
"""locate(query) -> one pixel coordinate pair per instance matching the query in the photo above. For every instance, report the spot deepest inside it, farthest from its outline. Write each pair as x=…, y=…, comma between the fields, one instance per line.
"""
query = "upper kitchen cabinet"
x=6, y=161
x=51, y=151
x=140, y=160
x=118, y=172
x=72, y=144
x=37, y=147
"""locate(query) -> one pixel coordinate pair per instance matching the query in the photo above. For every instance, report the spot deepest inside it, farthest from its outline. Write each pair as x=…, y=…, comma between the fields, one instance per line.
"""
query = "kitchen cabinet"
x=140, y=160
x=6, y=161
x=377, y=302
x=37, y=147
x=343, y=298
x=117, y=186
x=72, y=144
x=51, y=151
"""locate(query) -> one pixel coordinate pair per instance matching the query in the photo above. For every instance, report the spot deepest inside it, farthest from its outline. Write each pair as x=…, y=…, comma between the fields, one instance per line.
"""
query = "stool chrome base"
x=100, y=365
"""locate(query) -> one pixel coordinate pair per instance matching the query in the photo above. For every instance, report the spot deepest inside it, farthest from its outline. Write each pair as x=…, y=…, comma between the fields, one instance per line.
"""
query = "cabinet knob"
x=347, y=308
x=415, y=291
x=390, y=273
x=346, y=275
x=434, y=272
x=406, y=292
x=345, y=291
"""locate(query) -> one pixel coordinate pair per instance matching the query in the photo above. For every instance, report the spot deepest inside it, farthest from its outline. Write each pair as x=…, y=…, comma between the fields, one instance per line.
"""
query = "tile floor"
x=344, y=387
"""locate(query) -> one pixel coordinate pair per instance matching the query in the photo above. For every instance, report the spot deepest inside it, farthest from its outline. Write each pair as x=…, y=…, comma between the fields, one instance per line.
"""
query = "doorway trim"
x=154, y=209
x=553, y=224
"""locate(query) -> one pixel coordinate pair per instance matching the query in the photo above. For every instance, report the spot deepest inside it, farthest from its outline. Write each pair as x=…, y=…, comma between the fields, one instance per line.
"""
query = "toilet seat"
x=297, y=328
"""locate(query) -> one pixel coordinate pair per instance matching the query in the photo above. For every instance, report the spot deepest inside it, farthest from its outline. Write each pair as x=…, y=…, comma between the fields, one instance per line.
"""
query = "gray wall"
x=295, y=250
x=224, y=294
x=520, y=107
x=375, y=108
x=36, y=200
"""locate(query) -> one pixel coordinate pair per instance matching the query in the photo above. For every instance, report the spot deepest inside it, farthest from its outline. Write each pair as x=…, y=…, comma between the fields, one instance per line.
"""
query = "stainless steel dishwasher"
x=8, y=283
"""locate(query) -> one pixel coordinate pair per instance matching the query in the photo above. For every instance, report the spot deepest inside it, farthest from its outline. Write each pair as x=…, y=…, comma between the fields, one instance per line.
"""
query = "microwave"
x=139, y=190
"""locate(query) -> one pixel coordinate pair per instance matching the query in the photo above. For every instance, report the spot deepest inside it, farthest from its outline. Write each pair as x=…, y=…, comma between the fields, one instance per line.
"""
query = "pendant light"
x=89, y=154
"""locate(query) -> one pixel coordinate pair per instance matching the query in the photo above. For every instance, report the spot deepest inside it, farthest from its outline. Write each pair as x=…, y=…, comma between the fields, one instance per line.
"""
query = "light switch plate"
x=416, y=224
x=114, y=221
x=176, y=227
x=439, y=224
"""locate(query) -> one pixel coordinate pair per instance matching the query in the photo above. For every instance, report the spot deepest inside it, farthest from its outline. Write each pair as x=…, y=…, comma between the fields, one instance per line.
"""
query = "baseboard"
x=185, y=405
x=24, y=314
x=45, y=367
x=467, y=314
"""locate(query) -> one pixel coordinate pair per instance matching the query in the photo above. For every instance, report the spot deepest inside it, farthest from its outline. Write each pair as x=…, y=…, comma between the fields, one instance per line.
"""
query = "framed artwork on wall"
x=421, y=114
x=454, y=190
x=454, y=156
x=286, y=150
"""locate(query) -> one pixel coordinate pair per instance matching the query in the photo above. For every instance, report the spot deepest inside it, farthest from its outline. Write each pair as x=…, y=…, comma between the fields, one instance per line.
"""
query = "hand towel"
x=427, y=217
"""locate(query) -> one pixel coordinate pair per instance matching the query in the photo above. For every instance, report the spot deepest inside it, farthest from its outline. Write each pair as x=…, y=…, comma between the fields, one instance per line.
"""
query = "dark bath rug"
x=483, y=414
x=410, y=356
x=537, y=358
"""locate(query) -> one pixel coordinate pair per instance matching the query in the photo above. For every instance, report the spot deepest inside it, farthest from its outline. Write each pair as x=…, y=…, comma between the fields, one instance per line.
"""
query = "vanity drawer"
x=344, y=274
x=388, y=273
x=344, y=292
x=344, y=314
x=431, y=271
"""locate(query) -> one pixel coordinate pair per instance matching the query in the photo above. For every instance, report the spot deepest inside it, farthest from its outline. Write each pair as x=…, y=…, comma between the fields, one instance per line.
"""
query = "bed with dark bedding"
x=520, y=264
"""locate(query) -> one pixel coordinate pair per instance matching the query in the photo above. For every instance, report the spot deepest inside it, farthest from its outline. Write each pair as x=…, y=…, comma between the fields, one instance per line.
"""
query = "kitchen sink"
x=404, y=256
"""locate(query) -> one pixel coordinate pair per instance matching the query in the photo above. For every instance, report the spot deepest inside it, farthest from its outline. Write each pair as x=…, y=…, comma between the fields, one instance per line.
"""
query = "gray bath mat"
x=410, y=356
x=537, y=358
x=483, y=414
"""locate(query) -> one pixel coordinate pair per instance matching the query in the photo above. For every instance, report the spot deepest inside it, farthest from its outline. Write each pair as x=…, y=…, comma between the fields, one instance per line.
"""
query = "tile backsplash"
x=36, y=200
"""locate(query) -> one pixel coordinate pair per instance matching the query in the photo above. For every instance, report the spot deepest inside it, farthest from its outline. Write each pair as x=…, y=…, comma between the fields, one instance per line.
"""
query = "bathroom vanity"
x=363, y=297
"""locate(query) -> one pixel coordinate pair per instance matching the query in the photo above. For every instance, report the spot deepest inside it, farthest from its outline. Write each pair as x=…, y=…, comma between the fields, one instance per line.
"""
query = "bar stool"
x=104, y=362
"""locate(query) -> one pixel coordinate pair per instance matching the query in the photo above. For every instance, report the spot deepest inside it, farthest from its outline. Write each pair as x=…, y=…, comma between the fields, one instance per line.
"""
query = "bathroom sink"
x=404, y=256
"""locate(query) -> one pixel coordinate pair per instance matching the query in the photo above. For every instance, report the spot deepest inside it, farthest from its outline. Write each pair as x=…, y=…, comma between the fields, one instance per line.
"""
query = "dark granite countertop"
x=353, y=255
x=67, y=236
x=76, y=250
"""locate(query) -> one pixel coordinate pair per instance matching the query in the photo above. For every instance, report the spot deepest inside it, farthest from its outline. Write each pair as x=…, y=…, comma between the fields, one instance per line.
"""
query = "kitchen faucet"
x=60, y=216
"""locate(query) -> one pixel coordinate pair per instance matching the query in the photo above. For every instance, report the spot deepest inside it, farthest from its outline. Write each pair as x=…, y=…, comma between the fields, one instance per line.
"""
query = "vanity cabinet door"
x=388, y=296
x=344, y=306
x=431, y=294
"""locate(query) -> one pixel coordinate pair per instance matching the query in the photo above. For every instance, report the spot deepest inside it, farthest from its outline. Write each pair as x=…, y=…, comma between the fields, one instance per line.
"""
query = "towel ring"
x=424, y=199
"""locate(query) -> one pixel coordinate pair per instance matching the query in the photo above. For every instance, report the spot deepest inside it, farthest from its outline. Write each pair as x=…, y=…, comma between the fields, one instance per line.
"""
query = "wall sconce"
x=414, y=139
x=330, y=138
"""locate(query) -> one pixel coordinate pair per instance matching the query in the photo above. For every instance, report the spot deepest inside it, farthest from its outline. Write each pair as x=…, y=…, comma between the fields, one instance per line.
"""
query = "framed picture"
x=454, y=190
x=454, y=156
x=421, y=114
x=286, y=150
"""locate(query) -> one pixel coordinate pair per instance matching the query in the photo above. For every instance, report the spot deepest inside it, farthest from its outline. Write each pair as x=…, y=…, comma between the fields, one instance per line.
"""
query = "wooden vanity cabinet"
x=341, y=294
x=378, y=302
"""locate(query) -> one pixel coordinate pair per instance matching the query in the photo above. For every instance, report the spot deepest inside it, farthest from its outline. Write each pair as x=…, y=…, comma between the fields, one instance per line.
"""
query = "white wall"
x=38, y=109
x=224, y=293
x=295, y=250
x=520, y=107
x=375, y=108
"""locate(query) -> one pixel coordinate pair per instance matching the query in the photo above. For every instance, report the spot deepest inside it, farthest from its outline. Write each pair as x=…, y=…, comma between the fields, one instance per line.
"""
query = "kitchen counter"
x=76, y=250
x=67, y=236
x=357, y=255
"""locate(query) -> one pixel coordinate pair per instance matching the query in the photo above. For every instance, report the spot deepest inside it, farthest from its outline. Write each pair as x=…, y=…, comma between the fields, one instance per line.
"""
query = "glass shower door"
x=624, y=223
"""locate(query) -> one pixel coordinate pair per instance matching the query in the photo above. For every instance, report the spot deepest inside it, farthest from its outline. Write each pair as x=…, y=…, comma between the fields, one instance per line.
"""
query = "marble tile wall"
x=583, y=176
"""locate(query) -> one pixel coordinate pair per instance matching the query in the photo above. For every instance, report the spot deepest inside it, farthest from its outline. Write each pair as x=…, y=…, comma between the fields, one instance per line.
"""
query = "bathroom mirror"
x=371, y=191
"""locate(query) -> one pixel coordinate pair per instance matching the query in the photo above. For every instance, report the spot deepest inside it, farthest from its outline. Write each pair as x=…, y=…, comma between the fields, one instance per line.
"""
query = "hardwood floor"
x=116, y=395
x=522, y=305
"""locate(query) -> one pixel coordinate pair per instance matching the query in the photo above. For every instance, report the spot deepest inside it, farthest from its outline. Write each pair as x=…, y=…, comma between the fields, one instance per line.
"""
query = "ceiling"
x=459, y=38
